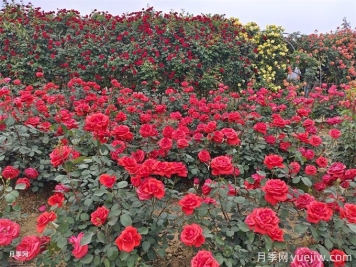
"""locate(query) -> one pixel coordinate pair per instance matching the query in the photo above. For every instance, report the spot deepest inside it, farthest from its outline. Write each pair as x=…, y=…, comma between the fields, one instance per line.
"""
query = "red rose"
x=129, y=163
x=328, y=179
x=59, y=155
x=135, y=180
x=337, y=170
x=284, y=146
x=260, y=127
x=189, y=203
x=206, y=189
x=217, y=136
x=128, y=239
x=182, y=143
x=338, y=257
x=310, y=170
x=79, y=251
x=204, y=259
x=56, y=199
x=44, y=219
x=318, y=211
x=334, y=133
x=10, y=172
x=28, y=249
x=294, y=167
x=179, y=169
x=39, y=74
x=348, y=212
x=262, y=220
x=272, y=161
x=167, y=131
x=31, y=173
x=120, y=116
x=320, y=186
x=150, y=187
x=96, y=123
x=17, y=82
x=210, y=127
x=204, y=156
x=165, y=143
x=349, y=174
x=307, y=257
x=315, y=140
x=270, y=139
x=9, y=230
x=107, y=180
x=231, y=136
x=275, y=191
x=161, y=168
x=308, y=123
x=147, y=130
x=139, y=155
x=98, y=217
x=122, y=132
x=276, y=234
x=221, y=165
x=192, y=235
x=322, y=162
x=303, y=201
x=25, y=182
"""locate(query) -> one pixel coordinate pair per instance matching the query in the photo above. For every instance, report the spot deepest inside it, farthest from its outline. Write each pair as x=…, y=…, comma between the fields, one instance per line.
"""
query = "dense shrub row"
x=261, y=173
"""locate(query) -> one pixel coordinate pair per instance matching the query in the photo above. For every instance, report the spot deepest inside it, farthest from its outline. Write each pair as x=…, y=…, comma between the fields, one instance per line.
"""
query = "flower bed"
x=260, y=174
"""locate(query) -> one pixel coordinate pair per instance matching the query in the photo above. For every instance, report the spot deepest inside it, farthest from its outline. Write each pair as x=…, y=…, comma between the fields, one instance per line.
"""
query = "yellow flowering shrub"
x=272, y=53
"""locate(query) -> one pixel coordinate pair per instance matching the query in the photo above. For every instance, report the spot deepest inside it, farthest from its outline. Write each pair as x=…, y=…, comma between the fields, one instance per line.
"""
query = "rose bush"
x=232, y=174
x=116, y=198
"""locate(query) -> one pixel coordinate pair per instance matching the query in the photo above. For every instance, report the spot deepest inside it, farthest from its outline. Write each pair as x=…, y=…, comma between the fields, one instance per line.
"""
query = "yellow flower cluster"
x=271, y=50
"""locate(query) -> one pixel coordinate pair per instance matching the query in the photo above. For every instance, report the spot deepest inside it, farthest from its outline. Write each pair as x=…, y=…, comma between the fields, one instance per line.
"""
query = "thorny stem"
x=222, y=206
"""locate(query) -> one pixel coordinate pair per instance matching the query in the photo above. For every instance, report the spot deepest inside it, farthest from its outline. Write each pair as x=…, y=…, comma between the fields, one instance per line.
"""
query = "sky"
x=304, y=16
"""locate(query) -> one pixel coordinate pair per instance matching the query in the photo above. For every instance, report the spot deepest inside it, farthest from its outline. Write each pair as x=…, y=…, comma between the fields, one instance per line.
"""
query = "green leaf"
x=88, y=202
x=87, y=259
x=100, y=192
x=243, y=227
x=96, y=261
x=101, y=237
x=146, y=246
x=124, y=256
x=79, y=159
x=328, y=244
x=84, y=216
x=300, y=228
x=352, y=227
x=113, y=220
x=230, y=233
x=86, y=239
x=112, y=253
x=106, y=263
x=122, y=184
x=268, y=242
x=307, y=181
x=11, y=197
x=10, y=121
x=63, y=228
x=20, y=186
x=239, y=200
x=125, y=220
x=68, y=166
x=262, y=173
x=143, y=230
x=62, y=242
x=296, y=180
